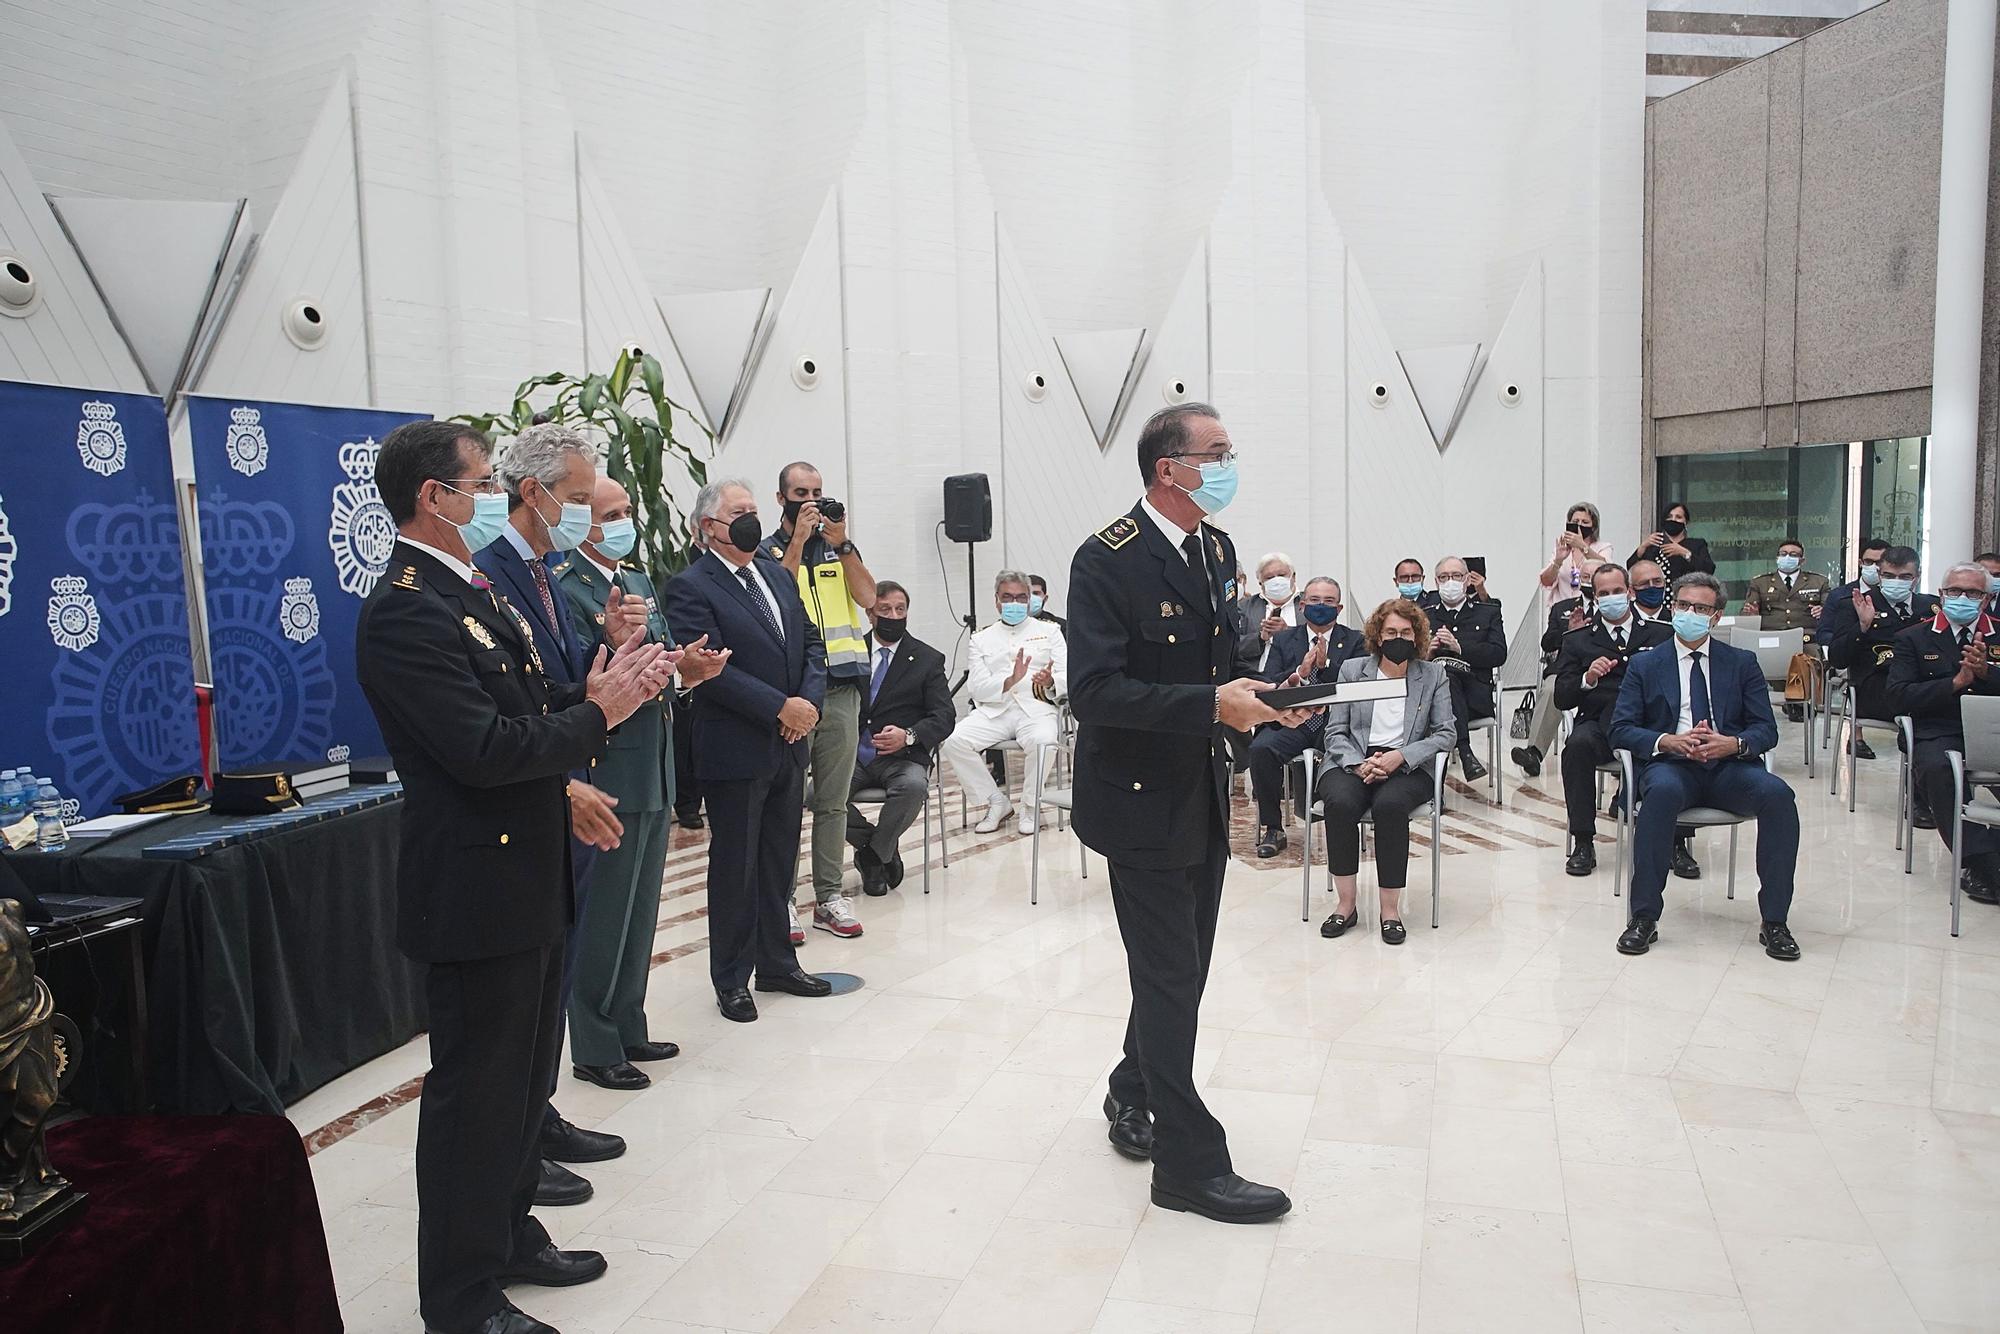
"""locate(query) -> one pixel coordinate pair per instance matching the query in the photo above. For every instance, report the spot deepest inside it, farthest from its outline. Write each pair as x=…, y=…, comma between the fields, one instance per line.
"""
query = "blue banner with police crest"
x=293, y=537
x=99, y=674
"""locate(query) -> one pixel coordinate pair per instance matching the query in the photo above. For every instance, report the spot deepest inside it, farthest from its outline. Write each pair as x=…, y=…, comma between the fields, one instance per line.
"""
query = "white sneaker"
x=997, y=810
x=1028, y=821
x=796, y=932
x=837, y=916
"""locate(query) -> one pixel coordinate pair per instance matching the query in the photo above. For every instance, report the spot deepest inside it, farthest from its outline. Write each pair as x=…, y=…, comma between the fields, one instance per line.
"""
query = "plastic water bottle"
x=50, y=836
x=13, y=801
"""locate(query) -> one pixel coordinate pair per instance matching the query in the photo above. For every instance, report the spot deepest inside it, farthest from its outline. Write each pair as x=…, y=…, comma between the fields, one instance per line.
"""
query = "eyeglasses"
x=1226, y=456
x=1697, y=608
x=478, y=486
x=1964, y=592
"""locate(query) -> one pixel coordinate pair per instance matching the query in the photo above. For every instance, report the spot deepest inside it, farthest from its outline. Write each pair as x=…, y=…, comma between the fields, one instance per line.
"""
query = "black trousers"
x=1471, y=697
x=1933, y=779
x=1167, y=919
x=1588, y=746
x=1270, y=751
x=753, y=866
x=496, y=1028
x=1389, y=802
x=687, y=788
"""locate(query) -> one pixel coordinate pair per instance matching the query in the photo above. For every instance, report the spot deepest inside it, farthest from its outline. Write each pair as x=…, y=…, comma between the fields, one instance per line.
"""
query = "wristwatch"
x=844, y=549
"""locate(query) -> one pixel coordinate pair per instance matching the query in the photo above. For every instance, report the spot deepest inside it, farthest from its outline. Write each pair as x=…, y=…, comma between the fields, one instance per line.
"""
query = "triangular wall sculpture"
x=1442, y=379
x=160, y=291
x=309, y=256
x=717, y=334
x=64, y=334
x=1102, y=364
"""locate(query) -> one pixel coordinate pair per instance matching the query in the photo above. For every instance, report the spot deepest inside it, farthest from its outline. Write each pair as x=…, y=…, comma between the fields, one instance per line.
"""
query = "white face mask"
x=1452, y=591
x=1277, y=588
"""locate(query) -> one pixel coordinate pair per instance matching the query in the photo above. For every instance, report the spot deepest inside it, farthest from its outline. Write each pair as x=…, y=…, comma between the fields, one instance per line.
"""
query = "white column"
x=1963, y=177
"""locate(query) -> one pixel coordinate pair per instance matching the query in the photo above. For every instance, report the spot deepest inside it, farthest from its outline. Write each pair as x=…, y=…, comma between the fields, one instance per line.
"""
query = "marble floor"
x=1503, y=1125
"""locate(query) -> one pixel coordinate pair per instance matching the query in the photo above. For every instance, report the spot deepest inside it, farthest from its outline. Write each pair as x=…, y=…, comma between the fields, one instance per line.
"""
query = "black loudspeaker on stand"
x=968, y=518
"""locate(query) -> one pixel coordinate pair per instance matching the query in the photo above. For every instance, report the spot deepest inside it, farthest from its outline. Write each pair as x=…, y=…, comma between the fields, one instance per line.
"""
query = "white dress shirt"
x=1289, y=614
x=757, y=581
x=1684, y=660
x=444, y=558
x=991, y=662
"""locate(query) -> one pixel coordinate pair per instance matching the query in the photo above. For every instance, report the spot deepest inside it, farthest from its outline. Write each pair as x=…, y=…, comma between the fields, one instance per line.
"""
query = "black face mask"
x=890, y=629
x=1399, y=650
x=1673, y=527
x=745, y=533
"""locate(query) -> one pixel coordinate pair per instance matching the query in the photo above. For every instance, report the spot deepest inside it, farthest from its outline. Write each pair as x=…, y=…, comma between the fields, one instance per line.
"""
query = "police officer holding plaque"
x=1153, y=635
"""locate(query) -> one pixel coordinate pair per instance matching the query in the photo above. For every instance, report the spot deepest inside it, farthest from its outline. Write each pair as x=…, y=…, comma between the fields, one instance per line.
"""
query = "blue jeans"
x=1668, y=786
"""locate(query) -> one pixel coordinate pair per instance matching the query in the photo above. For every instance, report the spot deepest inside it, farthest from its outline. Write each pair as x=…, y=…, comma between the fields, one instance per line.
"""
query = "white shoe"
x=837, y=916
x=1028, y=822
x=997, y=810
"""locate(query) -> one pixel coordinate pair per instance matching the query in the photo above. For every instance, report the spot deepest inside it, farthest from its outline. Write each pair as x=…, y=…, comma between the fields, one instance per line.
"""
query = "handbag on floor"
x=1521, y=726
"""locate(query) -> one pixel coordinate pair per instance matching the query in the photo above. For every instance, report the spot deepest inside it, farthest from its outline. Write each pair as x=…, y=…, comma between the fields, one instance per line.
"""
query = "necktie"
x=1965, y=637
x=866, y=754
x=541, y=573
x=1618, y=638
x=757, y=600
x=1697, y=690
x=1191, y=547
x=1788, y=580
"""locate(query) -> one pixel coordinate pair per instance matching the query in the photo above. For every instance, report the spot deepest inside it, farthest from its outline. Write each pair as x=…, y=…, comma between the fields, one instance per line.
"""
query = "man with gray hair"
x=550, y=472
x=1937, y=663
x=1019, y=668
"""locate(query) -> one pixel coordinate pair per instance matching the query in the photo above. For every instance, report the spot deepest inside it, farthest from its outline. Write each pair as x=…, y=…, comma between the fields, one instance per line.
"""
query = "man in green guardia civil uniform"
x=611, y=599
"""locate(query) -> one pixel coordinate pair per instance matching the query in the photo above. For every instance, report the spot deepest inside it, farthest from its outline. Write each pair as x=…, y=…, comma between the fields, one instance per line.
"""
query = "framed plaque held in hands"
x=1313, y=696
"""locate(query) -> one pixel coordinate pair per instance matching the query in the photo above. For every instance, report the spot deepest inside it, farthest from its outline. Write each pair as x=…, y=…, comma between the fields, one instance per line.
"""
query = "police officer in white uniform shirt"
x=1019, y=668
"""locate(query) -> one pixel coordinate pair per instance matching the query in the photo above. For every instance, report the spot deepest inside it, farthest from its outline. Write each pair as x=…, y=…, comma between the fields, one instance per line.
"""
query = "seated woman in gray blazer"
x=1378, y=757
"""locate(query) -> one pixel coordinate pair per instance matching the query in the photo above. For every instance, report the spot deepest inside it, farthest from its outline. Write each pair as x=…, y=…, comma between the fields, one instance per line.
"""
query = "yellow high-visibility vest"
x=823, y=588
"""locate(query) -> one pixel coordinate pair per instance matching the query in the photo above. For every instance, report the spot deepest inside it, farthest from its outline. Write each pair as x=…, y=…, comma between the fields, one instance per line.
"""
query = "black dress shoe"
x=1226, y=1199
x=1474, y=770
x=1776, y=938
x=551, y=1268
x=1530, y=760
x=507, y=1320
x=623, y=1077
x=1336, y=926
x=1582, y=855
x=1977, y=887
x=1862, y=750
x=1640, y=933
x=1131, y=1129
x=1393, y=932
x=1795, y=713
x=874, y=878
x=798, y=982
x=690, y=819
x=1271, y=842
x=895, y=870
x=652, y=1051
x=559, y=1186
x=1921, y=818
x=565, y=1143
x=736, y=1005
x=1683, y=863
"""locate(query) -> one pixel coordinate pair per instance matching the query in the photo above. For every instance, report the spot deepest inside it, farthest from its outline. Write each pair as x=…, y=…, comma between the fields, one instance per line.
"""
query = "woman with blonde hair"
x=1378, y=756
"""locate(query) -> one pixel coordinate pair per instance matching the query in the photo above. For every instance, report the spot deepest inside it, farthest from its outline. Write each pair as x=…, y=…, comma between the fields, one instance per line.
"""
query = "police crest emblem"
x=298, y=614
x=74, y=622
x=100, y=440
x=244, y=443
x=480, y=633
x=360, y=531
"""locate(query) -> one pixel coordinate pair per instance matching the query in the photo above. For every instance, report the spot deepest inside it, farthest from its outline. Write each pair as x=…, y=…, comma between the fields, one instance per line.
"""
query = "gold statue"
x=32, y=1193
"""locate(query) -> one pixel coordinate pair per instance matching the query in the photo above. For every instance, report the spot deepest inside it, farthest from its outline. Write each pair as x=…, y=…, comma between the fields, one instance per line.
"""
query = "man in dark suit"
x=1309, y=651
x=1869, y=576
x=750, y=730
x=906, y=711
x=610, y=602
x=1859, y=633
x=484, y=741
x=1590, y=669
x=549, y=472
x=1936, y=664
x=1697, y=714
x=1153, y=657
x=1467, y=637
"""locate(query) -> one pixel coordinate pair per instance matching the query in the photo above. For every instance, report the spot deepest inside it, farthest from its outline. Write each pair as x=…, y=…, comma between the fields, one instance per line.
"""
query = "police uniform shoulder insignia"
x=407, y=578
x=561, y=569
x=631, y=565
x=1118, y=532
x=479, y=633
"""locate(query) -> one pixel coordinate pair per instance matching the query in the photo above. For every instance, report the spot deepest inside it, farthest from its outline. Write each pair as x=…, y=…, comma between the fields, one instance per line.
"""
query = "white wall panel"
x=310, y=251
x=69, y=338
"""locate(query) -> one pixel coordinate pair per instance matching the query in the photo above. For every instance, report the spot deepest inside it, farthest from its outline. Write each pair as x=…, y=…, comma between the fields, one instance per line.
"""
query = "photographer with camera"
x=812, y=543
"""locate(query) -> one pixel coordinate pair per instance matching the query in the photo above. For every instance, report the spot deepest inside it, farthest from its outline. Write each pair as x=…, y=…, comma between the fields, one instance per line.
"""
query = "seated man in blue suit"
x=1698, y=714
x=1312, y=650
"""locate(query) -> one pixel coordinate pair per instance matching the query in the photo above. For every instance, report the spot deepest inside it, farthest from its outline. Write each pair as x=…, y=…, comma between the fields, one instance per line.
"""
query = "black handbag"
x=1522, y=723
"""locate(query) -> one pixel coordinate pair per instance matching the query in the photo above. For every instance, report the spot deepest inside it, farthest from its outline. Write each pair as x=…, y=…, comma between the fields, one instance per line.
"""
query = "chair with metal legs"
x=1978, y=764
x=1307, y=807
x=1058, y=799
x=1858, y=726
x=1700, y=817
x=1495, y=774
x=933, y=791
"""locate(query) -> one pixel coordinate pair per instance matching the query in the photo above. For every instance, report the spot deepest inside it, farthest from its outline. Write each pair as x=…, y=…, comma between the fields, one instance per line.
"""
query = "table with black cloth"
x=271, y=964
x=194, y=1225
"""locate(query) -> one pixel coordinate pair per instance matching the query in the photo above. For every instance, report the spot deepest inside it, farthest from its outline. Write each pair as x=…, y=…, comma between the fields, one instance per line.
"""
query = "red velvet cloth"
x=195, y=1223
